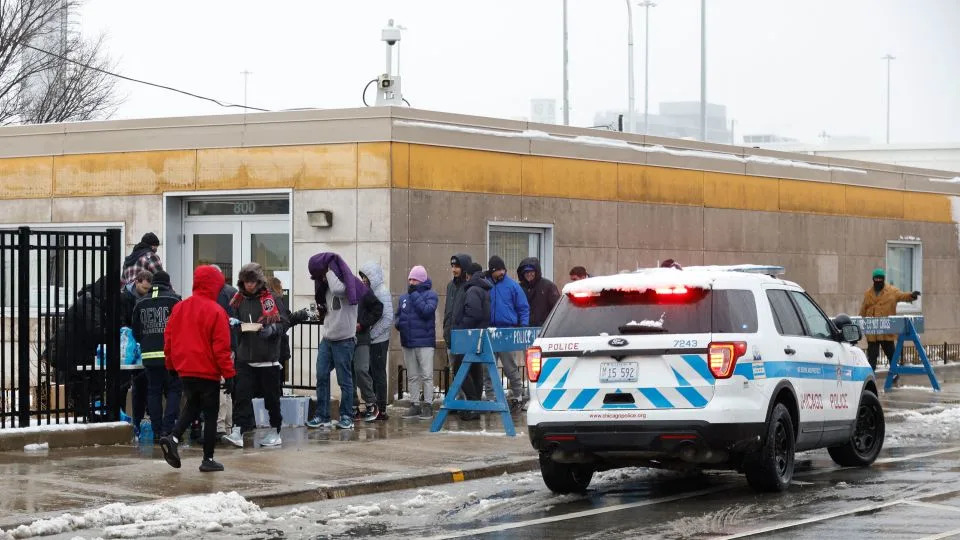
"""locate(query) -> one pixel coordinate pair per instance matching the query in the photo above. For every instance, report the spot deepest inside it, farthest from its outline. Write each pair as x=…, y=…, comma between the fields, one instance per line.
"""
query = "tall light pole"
x=647, y=4
x=566, y=74
x=703, y=70
x=888, y=58
x=631, y=117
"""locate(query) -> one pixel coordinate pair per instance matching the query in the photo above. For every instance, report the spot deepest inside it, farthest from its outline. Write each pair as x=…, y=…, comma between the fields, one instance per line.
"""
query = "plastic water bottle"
x=146, y=432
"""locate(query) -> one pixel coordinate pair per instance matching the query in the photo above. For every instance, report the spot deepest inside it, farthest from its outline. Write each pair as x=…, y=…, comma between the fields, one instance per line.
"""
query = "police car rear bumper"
x=690, y=441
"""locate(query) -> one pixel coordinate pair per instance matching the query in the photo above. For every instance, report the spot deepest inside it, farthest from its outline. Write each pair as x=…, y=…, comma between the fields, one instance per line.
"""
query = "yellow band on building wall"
x=416, y=166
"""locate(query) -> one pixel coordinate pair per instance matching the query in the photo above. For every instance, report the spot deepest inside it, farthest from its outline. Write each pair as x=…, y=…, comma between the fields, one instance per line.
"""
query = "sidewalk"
x=311, y=465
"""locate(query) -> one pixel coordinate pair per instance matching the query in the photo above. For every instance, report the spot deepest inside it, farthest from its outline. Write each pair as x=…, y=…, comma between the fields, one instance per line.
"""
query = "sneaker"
x=209, y=465
x=357, y=415
x=383, y=416
x=516, y=405
x=426, y=411
x=271, y=439
x=235, y=437
x=316, y=422
x=170, y=454
x=344, y=423
x=468, y=416
x=372, y=413
x=412, y=412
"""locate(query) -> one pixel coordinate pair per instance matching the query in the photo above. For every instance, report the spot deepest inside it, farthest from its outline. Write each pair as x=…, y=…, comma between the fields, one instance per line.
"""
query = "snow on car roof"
x=700, y=277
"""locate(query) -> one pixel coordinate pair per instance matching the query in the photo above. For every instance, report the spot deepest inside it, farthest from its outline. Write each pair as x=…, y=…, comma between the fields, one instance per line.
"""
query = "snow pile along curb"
x=204, y=513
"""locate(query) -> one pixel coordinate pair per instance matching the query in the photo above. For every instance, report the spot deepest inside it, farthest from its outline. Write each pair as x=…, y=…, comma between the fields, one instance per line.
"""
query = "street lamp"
x=630, y=97
x=646, y=4
x=888, y=58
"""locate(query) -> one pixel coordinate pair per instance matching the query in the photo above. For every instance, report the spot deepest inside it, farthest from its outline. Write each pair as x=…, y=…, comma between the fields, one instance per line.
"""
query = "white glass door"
x=208, y=242
x=268, y=243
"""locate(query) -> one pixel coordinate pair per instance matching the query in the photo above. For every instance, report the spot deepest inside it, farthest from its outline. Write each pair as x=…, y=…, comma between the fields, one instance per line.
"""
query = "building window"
x=514, y=242
x=905, y=270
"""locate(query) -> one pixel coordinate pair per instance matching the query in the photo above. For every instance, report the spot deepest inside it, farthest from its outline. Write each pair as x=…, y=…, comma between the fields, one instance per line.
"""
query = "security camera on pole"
x=388, y=84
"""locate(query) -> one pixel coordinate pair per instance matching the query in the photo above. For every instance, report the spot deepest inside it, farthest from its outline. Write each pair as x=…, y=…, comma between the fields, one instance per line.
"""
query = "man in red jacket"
x=197, y=348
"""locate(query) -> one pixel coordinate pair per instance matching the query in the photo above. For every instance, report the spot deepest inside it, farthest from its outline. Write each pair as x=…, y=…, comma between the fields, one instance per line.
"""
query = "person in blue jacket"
x=416, y=320
x=508, y=308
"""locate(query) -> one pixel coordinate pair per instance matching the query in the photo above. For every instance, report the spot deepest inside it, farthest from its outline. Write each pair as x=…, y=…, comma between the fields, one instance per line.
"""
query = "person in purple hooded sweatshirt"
x=337, y=293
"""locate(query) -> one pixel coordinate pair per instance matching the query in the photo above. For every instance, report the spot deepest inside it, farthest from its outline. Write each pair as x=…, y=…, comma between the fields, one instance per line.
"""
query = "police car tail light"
x=722, y=357
x=534, y=364
x=582, y=296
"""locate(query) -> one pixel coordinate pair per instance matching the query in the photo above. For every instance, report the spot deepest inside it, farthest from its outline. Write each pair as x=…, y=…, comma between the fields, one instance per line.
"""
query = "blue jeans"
x=339, y=355
x=160, y=384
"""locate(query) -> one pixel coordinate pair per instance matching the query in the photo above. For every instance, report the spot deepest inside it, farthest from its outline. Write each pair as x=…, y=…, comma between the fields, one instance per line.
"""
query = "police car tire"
x=771, y=467
x=866, y=441
x=564, y=478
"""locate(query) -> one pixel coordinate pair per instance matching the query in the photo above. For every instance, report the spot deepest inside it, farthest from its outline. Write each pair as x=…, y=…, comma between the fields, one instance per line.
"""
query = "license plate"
x=611, y=372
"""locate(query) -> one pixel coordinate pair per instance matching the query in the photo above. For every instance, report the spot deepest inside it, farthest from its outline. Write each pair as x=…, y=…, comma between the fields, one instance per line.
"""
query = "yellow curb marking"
x=457, y=475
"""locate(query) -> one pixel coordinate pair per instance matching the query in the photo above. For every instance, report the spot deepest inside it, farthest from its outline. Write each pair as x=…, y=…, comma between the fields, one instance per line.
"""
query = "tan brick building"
x=406, y=187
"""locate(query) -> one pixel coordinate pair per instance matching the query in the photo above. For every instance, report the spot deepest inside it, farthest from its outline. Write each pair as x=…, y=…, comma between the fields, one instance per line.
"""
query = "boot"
x=413, y=411
x=426, y=410
x=170, y=453
x=209, y=465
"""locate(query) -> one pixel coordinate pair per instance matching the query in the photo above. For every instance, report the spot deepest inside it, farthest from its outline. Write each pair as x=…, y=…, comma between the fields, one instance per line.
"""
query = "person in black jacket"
x=369, y=312
x=149, y=321
x=542, y=294
x=263, y=323
x=472, y=310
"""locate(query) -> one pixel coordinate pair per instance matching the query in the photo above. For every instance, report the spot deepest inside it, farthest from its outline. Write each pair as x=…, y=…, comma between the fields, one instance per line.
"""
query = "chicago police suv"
x=710, y=367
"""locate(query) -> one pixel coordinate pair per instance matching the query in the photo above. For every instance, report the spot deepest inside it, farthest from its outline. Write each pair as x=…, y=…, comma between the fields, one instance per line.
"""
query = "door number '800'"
x=684, y=344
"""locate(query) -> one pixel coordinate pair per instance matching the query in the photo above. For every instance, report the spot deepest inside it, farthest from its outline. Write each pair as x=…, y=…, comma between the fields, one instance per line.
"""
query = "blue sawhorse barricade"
x=906, y=328
x=478, y=347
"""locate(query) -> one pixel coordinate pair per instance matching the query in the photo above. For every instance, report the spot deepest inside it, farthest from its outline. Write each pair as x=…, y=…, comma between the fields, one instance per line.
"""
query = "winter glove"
x=299, y=317
x=234, y=322
x=915, y=294
x=267, y=331
x=228, y=386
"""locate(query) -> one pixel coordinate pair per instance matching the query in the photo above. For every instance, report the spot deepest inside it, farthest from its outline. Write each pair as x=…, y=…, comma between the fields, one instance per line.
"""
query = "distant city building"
x=543, y=111
x=766, y=138
x=676, y=119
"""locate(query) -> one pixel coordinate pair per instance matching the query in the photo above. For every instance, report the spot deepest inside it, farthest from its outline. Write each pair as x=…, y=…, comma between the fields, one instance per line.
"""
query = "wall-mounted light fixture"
x=320, y=218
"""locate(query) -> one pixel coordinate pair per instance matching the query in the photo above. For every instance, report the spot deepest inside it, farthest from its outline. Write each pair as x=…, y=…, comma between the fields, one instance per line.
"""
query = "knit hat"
x=418, y=273
x=251, y=272
x=496, y=263
x=879, y=272
x=161, y=277
x=150, y=239
x=475, y=268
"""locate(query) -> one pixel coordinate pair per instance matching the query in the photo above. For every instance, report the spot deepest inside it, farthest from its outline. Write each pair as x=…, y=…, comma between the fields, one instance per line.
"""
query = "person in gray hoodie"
x=372, y=276
x=337, y=293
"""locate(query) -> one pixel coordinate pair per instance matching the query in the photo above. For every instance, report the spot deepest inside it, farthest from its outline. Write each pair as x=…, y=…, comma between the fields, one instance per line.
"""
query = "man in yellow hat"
x=881, y=301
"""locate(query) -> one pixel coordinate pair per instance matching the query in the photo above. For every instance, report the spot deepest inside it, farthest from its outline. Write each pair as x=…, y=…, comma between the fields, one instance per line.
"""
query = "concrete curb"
x=449, y=476
x=89, y=435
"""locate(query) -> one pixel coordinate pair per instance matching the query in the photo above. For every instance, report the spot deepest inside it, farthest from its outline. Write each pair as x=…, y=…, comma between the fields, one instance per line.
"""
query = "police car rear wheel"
x=564, y=478
x=771, y=468
x=867, y=438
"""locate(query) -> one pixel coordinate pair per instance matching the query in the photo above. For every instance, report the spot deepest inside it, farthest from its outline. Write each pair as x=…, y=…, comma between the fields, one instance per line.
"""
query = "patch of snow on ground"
x=36, y=447
x=46, y=428
x=483, y=432
x=198, y=514
x=426, y=497
x=910, y=426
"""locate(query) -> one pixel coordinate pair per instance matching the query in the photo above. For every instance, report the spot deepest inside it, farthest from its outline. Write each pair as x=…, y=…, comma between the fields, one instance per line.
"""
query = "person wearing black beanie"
x=143, y=257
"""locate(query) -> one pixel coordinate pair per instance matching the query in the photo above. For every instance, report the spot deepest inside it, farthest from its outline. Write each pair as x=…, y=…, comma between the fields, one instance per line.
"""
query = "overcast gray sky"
x=787, y=67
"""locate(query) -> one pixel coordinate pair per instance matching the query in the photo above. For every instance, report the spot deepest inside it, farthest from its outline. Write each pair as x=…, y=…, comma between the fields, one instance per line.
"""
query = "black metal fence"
x=941, y=352
x=59, y=301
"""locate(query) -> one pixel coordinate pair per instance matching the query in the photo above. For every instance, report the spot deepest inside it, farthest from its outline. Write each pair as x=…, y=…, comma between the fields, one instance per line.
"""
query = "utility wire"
x=131, y=79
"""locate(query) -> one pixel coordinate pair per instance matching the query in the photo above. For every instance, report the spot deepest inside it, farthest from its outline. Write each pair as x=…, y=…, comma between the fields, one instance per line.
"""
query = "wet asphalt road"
x=913, y=491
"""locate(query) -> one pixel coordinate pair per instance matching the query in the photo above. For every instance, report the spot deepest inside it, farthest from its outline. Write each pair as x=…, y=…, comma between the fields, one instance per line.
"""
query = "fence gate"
x=59, y=301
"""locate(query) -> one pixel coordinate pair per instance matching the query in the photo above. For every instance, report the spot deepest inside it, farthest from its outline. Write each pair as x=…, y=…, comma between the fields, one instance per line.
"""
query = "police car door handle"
x=828, y=354
x=789, y=350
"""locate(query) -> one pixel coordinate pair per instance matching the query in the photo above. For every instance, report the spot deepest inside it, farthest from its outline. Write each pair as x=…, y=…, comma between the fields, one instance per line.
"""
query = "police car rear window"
x=615, y=313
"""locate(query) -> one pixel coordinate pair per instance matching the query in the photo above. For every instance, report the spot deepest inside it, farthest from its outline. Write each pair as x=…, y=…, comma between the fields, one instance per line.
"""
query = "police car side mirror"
x=851, y=334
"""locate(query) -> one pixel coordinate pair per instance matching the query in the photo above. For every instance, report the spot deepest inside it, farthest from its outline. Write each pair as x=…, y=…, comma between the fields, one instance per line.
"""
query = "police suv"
x=705, y=367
